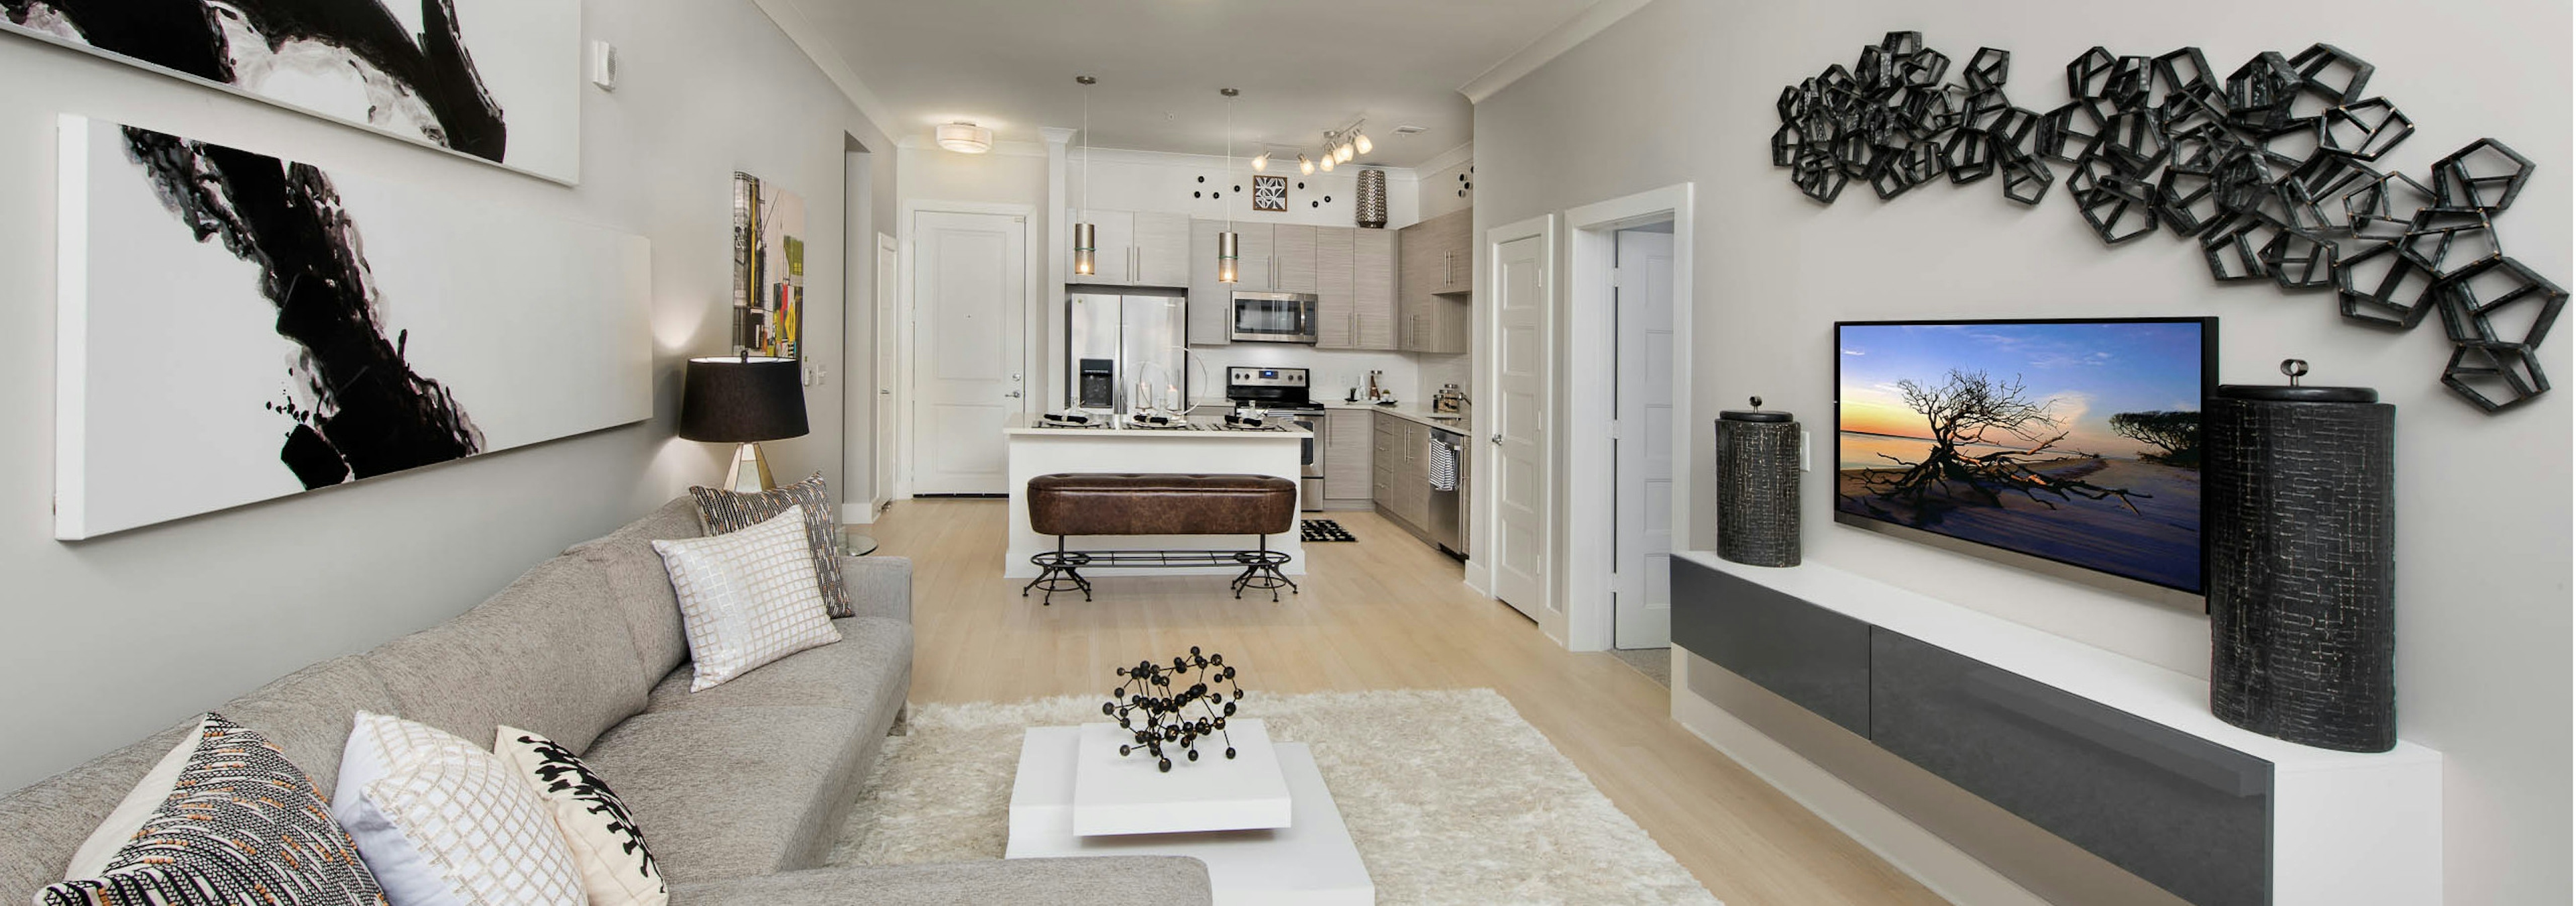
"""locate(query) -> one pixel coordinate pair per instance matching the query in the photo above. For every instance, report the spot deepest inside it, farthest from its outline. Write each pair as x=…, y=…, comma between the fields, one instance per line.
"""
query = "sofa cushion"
x=732, y=792
x=550, y=653
x=307, y=713
x=44, y=823
x=748, y=597
x=724, y=512
x=868, y=671
x=641, y=586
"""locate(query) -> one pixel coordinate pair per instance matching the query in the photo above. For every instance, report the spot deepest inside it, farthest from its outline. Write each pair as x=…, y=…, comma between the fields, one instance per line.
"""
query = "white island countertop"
x=1201, y=426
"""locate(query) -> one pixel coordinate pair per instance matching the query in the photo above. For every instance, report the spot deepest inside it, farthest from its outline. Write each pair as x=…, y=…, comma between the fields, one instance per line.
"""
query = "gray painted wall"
x=1683, y=91
x=120, y=636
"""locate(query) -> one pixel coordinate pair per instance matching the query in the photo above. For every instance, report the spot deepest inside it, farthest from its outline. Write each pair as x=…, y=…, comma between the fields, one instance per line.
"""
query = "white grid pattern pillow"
x=443, y=823
x=748, y=598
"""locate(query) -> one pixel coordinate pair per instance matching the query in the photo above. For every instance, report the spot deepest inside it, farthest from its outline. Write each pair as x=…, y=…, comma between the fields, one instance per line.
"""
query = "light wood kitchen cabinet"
x=1433, y=284
x=1335, y=320
x=1211, y=302
x=1383, y=458
x=1372, y=289
x=1350, y=437
x=1292, y=258
x=1162, y=242
x=1135, y=248
x=1402, y=486
x=1253, y=262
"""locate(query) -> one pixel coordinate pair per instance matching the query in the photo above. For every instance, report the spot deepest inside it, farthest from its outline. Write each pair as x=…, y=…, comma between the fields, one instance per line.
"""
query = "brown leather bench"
x=1067, y=503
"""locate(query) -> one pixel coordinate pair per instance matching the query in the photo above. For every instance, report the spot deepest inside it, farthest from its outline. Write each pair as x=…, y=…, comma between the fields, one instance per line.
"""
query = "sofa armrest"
x=879, y=586
x=1101, y=880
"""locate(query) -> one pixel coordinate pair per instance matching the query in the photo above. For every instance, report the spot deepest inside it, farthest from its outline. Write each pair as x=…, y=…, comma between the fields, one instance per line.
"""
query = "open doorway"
x=1628, y=350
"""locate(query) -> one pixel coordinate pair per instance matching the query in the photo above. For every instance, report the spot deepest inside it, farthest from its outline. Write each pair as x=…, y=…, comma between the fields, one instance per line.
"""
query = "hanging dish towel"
x=1444, y=467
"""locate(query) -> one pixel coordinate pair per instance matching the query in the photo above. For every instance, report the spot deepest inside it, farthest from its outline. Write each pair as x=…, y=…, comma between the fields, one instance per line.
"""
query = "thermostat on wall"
x=603, y=65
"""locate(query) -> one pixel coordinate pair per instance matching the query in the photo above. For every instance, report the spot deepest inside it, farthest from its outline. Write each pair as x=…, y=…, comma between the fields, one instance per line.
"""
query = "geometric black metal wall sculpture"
x=2271, y=169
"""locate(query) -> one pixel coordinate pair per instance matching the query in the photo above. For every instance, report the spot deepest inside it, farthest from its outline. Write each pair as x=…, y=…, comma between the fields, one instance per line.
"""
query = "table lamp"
x=743, y=400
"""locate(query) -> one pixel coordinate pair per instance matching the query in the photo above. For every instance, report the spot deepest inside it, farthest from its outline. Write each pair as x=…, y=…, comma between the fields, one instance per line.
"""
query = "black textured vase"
x=2302, y=528
x=1757, y=487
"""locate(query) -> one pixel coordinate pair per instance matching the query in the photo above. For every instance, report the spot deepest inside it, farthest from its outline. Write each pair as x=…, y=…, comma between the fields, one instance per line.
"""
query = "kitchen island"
x=1204, y=448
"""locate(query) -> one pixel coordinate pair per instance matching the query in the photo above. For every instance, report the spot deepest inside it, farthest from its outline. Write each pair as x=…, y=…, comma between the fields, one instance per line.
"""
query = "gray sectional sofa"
x=739, y=789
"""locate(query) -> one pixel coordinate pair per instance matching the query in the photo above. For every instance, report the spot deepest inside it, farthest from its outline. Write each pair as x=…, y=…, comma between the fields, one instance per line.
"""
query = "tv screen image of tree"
x=2077, y=442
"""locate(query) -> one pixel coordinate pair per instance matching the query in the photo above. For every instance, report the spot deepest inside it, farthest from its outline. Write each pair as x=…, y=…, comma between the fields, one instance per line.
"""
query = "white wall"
x=1683, y=91
x=196, y=611
x=1442, y=189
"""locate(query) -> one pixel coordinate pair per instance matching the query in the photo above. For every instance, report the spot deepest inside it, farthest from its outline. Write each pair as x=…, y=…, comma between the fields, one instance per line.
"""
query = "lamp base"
x=750, y=471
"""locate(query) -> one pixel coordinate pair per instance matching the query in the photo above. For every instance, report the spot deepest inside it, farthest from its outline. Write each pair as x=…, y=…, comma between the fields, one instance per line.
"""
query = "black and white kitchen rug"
x=1314, y=530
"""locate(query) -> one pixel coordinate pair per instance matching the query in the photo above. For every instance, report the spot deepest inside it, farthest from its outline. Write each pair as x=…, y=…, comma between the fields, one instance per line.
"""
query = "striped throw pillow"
x=733, y=511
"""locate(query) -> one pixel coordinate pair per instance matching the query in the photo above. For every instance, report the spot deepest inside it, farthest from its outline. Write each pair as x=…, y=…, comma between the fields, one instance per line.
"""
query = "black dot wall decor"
x=2273, y=169
x=1147, y=695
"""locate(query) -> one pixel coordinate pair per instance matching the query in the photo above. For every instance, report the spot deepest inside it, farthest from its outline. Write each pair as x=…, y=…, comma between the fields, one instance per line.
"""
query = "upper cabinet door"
x=1162, y=249
x=1211, y=302
x=1373, y=289
x=1334, y=317
x=1253, y=250
x=1114, y=245
x=1292, y=256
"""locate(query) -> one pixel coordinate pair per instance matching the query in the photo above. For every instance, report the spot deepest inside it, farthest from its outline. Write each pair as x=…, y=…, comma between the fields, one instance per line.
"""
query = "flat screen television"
x=2068, y=446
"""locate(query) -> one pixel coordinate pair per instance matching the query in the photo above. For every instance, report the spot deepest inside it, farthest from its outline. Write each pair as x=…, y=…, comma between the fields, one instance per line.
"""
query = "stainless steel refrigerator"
x=1119, y=339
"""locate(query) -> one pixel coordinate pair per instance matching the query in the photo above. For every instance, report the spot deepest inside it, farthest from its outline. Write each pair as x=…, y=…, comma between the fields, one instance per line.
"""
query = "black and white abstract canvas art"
x=498, y=80
x=233, y=327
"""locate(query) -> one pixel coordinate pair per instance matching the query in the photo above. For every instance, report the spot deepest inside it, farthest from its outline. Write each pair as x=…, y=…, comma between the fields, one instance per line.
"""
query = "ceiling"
x=1304, y=66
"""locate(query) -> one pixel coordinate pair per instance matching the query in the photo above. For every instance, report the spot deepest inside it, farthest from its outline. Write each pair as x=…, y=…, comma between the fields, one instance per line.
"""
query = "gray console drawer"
x=1804, y=653
x=2185, y=814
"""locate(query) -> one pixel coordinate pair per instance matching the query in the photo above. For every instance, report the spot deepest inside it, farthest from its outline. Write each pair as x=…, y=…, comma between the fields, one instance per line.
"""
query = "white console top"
x=2173, y=699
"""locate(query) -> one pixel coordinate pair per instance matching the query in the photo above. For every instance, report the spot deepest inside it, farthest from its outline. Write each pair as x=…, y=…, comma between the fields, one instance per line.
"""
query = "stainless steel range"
x=1282, y=393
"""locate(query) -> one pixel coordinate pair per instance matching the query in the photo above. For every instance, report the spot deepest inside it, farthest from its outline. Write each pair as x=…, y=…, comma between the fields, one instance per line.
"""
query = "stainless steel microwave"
x=1273, y=318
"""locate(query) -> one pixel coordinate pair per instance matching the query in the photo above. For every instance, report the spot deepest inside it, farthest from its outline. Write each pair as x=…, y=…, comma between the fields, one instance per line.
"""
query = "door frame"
x=908, y=213
x=1591, y=350
x=1487, y=365
x=887, y=376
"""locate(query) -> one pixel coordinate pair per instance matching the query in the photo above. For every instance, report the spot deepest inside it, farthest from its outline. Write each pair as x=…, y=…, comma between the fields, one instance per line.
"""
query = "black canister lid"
x=1755, y=414
x=2274, y=393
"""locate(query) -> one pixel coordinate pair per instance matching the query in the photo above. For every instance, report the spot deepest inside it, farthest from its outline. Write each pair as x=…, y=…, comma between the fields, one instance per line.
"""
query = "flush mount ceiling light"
x=964, y=137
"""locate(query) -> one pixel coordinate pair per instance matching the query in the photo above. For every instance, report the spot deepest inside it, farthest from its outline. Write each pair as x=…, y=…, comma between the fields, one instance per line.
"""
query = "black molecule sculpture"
x=1147, y=706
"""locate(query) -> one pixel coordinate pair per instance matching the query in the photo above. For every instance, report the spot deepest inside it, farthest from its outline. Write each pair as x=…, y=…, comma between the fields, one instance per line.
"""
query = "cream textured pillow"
x=615, y=865
x=443, y=823
x=748, y=597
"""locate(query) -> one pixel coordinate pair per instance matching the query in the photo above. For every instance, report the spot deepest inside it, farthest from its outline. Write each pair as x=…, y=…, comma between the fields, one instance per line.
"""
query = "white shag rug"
x=1449, y=795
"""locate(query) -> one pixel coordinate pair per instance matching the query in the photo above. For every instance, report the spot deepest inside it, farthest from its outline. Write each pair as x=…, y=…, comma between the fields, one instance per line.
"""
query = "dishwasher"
x=1448, y=526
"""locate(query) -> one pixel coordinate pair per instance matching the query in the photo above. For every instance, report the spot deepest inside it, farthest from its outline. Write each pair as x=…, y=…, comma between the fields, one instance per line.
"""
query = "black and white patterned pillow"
x=241, y=825
x=733, y=511
x=616, y=867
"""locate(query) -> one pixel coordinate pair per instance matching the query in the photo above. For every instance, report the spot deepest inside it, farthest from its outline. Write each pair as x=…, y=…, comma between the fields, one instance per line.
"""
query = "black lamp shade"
x=733, y=400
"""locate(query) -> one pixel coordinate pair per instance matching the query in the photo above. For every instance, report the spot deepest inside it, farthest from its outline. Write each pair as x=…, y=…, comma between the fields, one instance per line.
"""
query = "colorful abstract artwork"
x=768, y=268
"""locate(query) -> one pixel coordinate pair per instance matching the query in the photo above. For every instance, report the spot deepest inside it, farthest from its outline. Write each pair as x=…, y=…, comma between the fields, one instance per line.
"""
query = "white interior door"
x=1520, y=432
x=970, y=275
x=889, y=355
x=1642, y=551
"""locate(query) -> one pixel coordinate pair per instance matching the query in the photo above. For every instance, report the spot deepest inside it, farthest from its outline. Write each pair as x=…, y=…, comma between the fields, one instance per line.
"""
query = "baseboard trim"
x=1949, y=872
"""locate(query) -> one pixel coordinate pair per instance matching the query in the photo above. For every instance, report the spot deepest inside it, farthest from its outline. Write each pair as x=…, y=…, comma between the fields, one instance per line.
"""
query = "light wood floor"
x=1387, y=612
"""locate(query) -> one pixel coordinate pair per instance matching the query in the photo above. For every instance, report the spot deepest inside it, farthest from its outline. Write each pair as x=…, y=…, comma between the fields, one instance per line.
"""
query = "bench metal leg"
x=1057, y=572
x=1261, y=571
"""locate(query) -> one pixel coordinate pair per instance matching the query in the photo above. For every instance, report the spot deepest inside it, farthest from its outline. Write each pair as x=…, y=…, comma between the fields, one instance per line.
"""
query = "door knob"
x=1013, y=394
x=1498, y=440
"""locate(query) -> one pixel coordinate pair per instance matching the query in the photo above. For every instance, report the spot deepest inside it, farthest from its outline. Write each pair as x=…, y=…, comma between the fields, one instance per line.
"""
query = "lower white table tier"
x=1045, y=451
x=1309, y=862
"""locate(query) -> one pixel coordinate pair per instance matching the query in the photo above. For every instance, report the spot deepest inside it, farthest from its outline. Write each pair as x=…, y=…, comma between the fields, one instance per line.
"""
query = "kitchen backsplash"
x=1335, y=371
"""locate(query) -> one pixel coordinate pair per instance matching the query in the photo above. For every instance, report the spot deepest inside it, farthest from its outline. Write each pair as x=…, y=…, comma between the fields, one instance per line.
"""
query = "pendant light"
x=1227, y=243
x=1086, y=243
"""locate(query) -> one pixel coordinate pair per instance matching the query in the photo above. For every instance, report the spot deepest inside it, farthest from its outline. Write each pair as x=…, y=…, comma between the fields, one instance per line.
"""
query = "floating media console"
x=2116, y=756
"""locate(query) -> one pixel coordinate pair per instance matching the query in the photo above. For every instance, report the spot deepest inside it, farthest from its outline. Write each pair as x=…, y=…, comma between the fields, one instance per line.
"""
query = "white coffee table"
x=1311, y=861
